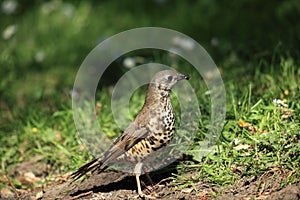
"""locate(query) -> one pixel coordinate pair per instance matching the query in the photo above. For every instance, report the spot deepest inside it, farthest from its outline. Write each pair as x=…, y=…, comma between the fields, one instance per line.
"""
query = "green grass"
x=272, y=139
x=38, y=70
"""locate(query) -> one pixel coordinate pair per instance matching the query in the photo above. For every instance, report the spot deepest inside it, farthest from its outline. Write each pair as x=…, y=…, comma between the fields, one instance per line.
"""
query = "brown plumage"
x=152, y=129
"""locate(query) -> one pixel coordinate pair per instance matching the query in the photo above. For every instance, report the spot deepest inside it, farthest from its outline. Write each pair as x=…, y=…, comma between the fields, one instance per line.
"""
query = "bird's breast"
x=161, y=118
x=161, y=127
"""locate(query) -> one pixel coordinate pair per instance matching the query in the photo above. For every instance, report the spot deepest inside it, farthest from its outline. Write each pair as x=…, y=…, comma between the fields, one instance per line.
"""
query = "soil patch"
x=119, y=186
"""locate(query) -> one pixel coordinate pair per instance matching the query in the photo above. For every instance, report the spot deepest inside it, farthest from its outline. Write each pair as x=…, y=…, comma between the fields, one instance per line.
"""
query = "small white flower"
x=236, y=141
x=9, y=31
x=9, y=6
x=287, y=146
x=129, y=62
x=279, y=103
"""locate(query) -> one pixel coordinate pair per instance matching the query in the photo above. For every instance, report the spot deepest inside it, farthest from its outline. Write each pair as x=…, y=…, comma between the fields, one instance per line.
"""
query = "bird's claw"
x=147, y=196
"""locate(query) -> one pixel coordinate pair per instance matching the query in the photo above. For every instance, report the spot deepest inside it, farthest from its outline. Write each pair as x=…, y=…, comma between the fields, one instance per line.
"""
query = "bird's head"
x=166, y=79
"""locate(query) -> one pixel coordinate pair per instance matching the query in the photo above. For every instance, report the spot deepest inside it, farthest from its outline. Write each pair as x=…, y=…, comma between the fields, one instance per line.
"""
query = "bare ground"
x=120, y=186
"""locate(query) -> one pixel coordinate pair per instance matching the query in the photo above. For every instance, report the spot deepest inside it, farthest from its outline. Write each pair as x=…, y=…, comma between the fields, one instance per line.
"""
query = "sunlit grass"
x=260, y=135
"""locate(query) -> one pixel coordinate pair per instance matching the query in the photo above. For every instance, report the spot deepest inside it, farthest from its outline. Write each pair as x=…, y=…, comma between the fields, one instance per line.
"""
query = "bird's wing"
x=131, y=136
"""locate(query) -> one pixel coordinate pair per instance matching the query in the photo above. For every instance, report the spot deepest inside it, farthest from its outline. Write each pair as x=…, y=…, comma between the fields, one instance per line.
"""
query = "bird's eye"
x=169, y=78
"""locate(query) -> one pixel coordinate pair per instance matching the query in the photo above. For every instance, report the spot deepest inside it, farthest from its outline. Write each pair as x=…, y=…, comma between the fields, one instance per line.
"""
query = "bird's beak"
x=187, y=77
x=182, y=76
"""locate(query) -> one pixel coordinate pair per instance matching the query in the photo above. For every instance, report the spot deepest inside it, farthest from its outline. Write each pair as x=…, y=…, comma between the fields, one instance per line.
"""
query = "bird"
x=152, y=129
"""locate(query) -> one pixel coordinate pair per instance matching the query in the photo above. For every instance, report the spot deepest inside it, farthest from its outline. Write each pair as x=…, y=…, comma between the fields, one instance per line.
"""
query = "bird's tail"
x=94, y=165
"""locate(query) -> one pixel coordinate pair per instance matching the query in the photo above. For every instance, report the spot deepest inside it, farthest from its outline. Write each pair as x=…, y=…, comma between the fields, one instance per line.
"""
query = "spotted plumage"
x=152, y=129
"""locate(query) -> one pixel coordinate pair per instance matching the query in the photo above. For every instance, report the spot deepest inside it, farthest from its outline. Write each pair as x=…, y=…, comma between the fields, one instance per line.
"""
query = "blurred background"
x=54, y=36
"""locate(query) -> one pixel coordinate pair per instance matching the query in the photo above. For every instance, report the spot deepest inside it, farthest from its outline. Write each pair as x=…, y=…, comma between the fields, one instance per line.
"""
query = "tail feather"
x=94, y=165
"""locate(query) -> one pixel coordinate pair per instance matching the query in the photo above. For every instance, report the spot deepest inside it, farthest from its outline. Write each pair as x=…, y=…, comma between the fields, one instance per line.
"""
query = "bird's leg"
x=149, y=178
x=138, y=184
x=137, y=171
x=149, y=188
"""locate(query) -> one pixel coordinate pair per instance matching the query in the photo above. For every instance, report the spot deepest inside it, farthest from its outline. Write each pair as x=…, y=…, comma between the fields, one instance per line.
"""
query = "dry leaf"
x=202, y=195
x=28, y=178
x=242, y=146
x=287, y=113
x=246, y=154
x=236, y=168
x=187, y=190
x=5, y=192
x=263, y=196
x=39, y=195
x=58, y=136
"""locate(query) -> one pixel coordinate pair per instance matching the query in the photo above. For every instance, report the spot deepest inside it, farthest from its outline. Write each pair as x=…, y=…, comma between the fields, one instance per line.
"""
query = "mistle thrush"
x=152, y=129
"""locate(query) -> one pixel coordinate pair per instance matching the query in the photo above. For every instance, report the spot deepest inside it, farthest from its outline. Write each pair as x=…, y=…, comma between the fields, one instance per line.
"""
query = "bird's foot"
x=149, y=188
x=152, y=187
x=148, y=196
